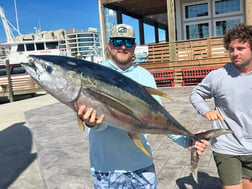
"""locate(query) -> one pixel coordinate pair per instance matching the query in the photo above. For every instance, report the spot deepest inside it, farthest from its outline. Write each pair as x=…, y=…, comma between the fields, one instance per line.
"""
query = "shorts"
x=140, y=179
x=233, y=168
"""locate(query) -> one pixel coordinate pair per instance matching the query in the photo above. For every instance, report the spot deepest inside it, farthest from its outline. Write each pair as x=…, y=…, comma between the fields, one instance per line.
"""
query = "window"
x=197, y=30
x=52, y=45
x=197, y=10
x=86, y=39
x=20, y=47
x=17, y=69
x=222, y=26
x=227, y=6
x=40, y=46
x=206, y=18
x=3, y=71
x=85, y=35
x=30, y=47
x=14, y=70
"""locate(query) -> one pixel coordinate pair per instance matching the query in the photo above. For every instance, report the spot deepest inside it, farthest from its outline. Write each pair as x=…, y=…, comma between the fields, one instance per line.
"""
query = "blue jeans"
x=140, y=179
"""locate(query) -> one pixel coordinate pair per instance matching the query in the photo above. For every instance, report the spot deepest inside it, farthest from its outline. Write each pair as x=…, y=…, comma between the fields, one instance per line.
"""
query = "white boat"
x=18, y=50
x=65, y=42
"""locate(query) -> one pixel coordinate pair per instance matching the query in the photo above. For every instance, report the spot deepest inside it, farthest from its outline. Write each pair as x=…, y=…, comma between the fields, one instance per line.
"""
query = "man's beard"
x=121, y=62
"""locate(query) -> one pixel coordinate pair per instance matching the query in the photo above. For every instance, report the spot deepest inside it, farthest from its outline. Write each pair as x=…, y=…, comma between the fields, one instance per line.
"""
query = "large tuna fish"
x=125, y=103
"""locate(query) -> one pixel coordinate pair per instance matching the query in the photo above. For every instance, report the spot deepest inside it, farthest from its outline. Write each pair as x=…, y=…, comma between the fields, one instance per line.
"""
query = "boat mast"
x=16, y=15
x=6, y=24
x=8, y=32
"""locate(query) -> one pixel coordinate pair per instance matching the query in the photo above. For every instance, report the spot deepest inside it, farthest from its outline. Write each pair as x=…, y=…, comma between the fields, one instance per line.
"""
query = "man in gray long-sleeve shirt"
x=231, y=88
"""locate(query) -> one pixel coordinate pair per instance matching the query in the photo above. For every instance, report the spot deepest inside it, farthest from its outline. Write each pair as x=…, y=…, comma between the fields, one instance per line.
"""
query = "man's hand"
x=214, y=115
x=88, y=115
x=200, y=146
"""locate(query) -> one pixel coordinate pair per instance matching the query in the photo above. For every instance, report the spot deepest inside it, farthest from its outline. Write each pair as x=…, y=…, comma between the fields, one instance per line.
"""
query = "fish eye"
x=48, y=68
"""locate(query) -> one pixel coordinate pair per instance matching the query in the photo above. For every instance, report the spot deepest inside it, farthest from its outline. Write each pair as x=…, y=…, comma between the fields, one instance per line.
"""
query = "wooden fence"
x=188, y=50
x=188, y=54
x=14, y=80
x=23, y=84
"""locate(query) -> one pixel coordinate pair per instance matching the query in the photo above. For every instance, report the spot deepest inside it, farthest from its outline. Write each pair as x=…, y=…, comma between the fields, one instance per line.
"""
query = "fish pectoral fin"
x=112, y=102
x=80, y=123
x=153, y=91
x=136, y=139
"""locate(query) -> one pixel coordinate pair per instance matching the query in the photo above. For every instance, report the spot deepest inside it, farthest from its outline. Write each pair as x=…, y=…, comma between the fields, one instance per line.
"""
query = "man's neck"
x=122, y=66
x=245, y=69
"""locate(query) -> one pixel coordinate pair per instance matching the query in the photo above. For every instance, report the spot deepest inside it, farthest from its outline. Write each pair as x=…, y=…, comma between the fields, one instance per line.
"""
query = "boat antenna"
x=39, y=24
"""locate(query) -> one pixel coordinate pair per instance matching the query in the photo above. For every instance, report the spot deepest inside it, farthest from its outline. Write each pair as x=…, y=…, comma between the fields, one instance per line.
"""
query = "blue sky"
x=54, y=14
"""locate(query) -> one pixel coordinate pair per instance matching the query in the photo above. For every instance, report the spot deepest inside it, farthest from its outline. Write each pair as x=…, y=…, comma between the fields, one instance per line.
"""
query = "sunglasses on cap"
x=119, y=42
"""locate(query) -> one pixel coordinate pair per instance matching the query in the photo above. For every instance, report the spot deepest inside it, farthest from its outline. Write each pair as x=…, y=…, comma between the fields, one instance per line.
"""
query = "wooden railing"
x=197, y=53
x=188, y=50
x=23, y=84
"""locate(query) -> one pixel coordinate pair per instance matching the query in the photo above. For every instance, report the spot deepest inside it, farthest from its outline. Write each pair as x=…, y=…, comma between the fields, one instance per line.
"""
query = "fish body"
x=125, y=103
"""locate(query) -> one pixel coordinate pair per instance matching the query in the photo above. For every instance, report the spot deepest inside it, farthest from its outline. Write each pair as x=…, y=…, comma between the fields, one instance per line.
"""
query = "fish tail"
x=208, y=135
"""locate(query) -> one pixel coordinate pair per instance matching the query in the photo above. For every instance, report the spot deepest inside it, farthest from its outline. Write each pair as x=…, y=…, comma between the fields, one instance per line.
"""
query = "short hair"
x=242, y=32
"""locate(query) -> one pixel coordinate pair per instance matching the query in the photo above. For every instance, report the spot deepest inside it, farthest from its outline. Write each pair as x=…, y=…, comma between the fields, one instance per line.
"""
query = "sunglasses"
x=119, y=42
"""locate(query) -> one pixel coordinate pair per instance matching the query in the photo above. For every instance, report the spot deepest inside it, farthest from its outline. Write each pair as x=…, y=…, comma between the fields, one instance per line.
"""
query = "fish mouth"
x=31, y=69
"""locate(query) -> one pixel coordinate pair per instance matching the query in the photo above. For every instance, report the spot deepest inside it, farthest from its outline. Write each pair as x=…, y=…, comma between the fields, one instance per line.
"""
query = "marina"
x=41, y=145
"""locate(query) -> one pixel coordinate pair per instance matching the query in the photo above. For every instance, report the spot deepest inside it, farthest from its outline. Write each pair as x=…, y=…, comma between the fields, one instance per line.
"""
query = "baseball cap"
x=122, y=31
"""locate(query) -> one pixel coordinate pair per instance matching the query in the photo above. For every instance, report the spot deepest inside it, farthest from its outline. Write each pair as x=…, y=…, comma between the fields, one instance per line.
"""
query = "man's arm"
x=197, y=98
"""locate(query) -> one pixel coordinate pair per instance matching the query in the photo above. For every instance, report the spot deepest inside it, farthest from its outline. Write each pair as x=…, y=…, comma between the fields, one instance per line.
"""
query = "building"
x=84, y=44
x=194, y=30
x=202, y=19
x=191, y=18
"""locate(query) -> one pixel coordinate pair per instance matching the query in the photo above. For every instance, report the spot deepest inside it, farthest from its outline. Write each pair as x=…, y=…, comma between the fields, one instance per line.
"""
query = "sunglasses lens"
x=117, y=42
x=127, y=42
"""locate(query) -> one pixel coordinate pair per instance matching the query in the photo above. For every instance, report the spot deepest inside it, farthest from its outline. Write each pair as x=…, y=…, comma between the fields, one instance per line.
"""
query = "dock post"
x=10, y=96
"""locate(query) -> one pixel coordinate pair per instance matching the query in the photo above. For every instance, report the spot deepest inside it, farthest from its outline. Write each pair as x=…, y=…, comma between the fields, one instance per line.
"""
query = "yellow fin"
x=80, y=123
x=153, y=91
x=135, y=138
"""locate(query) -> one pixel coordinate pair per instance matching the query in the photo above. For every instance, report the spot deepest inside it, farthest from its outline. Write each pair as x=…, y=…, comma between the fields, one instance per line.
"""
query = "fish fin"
x=136, y=139
x=80, y=123
x=111, y=101
x=153, y=91
x=194, y=162
x=212, y=133
x=207, y=135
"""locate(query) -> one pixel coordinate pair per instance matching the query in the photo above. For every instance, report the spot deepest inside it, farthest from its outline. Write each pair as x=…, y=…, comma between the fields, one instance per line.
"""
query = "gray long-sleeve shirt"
x=232, y=93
